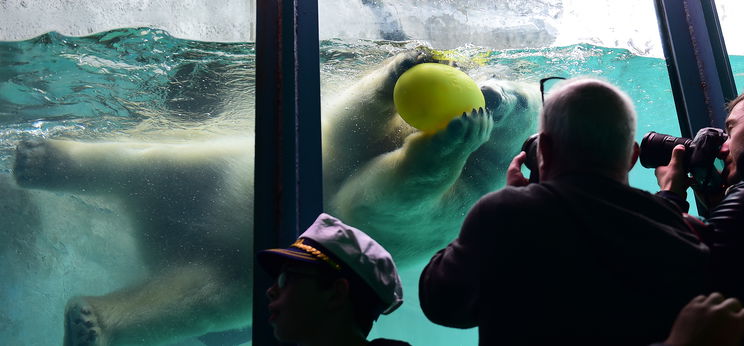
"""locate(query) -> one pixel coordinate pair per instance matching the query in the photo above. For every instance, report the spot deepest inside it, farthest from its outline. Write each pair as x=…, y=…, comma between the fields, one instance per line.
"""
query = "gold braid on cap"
x=315, y=252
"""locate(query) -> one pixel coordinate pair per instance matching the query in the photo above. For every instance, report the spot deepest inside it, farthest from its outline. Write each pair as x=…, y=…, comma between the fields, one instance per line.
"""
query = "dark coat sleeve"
x=449, y=287
x=724, y=235
x=675, y=200
x=728, y=216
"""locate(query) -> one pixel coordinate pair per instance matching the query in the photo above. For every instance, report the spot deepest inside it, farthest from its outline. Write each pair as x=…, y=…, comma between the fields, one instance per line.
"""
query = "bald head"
x=591, y=125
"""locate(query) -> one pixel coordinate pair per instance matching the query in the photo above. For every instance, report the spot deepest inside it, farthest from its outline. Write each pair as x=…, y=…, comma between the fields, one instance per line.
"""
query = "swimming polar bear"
x=191, y=203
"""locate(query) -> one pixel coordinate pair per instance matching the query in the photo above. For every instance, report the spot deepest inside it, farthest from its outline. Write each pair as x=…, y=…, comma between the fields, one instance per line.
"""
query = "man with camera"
x=723, y=230
x=579, y=258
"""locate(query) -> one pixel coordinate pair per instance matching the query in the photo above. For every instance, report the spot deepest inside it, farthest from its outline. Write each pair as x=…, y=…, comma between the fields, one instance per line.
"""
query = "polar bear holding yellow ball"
x=190, y=204
x=412, y=188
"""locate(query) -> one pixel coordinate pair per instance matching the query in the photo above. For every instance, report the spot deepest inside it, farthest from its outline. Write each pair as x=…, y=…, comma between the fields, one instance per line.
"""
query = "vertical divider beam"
x=288, y=163
x=698, y=64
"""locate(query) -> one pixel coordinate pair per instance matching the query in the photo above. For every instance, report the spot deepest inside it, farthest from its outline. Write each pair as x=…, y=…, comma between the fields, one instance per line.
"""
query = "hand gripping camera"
x=700, y=155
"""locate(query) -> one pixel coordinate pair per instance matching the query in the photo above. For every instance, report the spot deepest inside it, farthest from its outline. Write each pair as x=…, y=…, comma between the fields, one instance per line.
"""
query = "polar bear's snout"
x=493, y=100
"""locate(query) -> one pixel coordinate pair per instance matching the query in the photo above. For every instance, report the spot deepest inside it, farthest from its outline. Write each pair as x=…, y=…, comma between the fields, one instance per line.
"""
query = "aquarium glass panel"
x=126, y=163
x=731, y=25
x=375, y=171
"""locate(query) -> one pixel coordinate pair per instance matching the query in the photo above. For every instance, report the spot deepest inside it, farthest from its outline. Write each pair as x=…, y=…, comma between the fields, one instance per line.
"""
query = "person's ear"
x=634, y=157
x=339, y=293
x=545, y=157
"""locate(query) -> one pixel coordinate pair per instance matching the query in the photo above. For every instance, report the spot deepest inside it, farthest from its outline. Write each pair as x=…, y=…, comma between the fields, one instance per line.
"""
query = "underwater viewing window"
x=506, y=48
x=126, y=162
x=127, y=146
x=731, y=27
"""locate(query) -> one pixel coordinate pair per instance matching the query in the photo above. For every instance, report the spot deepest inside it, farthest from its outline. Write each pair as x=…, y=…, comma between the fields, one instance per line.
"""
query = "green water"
x=145, y=84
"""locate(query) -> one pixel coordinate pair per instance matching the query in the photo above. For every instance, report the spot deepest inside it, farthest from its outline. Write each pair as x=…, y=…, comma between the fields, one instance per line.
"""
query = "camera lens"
x=656, y=148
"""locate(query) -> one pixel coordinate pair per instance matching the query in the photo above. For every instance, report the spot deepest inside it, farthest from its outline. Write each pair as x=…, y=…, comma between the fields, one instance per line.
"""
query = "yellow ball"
x=429, y=95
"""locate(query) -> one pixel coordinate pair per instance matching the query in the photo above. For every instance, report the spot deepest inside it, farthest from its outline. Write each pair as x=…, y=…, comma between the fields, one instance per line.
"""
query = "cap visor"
x=272, y=259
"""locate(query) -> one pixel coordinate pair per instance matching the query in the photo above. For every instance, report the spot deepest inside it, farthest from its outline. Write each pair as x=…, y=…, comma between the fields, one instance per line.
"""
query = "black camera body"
x=656, y=150
x=700, y=154
x=530, y=147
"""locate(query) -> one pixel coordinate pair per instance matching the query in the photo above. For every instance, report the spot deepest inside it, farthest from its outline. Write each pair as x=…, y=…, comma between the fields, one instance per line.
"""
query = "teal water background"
x=142, y=83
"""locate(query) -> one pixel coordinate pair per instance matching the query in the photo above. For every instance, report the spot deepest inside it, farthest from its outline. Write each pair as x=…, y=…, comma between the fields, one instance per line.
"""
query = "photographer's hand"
x=711, y=320
x=673, y=176
x=514, y=176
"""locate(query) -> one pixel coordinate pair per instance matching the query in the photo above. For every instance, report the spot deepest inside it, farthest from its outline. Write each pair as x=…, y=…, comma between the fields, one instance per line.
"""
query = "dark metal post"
x=698, y=64
x=288, y=177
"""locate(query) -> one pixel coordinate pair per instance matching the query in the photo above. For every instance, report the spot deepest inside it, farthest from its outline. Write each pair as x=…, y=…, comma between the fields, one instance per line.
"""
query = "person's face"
x=297, y=302
x=732, y=150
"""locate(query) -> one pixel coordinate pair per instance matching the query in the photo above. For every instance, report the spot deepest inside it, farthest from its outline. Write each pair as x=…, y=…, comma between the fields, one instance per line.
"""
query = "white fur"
x=192, y=203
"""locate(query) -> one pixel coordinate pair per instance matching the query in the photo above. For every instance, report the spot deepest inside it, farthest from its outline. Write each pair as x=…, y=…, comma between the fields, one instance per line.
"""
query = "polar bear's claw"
x=81, y=325
x=402, y=63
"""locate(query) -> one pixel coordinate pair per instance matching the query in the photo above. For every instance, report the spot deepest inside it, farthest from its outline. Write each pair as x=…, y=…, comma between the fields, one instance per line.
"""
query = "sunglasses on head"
x=542, y=86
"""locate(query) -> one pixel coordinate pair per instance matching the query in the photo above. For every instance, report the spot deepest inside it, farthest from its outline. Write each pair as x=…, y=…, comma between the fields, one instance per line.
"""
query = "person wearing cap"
x=578, y=258
x=331, y=285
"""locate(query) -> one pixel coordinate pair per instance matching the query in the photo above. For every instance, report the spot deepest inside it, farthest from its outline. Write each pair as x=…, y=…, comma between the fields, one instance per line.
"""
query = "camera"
x=530, y=147
x=700, y=154
x=656, y=150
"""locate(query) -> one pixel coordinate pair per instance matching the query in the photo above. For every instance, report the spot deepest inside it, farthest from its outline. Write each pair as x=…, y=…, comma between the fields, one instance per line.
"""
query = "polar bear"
x=191, y=203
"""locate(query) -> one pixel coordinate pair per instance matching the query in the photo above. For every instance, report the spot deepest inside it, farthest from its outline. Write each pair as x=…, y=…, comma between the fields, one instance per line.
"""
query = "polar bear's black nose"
x=493, y=99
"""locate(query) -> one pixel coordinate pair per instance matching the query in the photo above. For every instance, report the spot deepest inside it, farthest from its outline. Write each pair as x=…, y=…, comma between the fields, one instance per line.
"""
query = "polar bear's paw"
x=81, y=325
x=466, y=133
x=36, y=162
x=402, y=63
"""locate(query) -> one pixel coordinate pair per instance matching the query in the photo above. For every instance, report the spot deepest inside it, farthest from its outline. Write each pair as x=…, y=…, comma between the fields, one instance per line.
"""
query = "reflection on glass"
x=731, y=25
x=132, y=153
x=387, y=188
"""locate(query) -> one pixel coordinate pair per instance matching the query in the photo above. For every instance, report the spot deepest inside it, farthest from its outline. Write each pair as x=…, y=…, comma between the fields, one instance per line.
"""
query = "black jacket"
x=579, y=260
x=723, y=232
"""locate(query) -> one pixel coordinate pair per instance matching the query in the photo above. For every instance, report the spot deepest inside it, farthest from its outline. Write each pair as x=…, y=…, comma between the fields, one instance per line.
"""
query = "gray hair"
x=592, y=122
